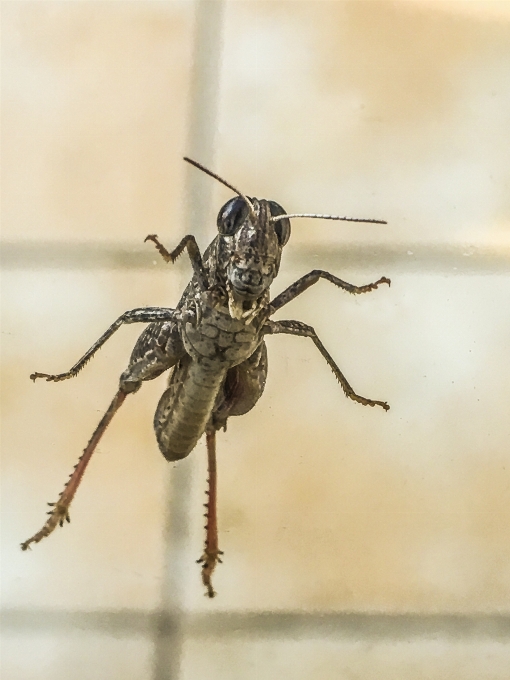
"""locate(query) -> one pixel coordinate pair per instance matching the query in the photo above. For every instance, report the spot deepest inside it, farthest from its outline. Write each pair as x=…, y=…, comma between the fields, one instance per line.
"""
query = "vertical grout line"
x=203, y=113
x=202, y=125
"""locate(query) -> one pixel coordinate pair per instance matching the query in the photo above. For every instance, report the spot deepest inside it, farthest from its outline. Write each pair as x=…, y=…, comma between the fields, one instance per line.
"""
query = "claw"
x=34, y=376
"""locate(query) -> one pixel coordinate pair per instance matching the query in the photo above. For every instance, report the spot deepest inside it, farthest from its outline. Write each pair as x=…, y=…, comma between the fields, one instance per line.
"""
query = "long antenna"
x=326, y=217
x=220, y=179
x=277, y=217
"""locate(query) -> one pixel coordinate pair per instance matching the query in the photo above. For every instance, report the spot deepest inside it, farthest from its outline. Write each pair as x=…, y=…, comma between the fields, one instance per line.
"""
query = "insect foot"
x=209, y=560
x=48, y=376
x=56, y=518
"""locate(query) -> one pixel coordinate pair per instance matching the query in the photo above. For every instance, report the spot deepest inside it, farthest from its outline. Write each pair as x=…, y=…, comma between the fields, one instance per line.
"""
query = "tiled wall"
x=391, y=110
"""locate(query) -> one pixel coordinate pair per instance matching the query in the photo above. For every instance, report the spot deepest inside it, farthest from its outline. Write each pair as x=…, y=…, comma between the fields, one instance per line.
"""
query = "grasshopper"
x=214, y=342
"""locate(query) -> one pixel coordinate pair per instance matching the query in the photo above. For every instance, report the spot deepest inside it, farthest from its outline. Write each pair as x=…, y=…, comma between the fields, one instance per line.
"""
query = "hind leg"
x=151, y=357
x=211, y=555
x=243, y=387
x=60, y=511
x=239, y=393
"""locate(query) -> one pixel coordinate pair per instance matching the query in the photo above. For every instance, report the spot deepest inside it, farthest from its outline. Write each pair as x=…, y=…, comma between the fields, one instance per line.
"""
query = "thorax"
x=212, y=336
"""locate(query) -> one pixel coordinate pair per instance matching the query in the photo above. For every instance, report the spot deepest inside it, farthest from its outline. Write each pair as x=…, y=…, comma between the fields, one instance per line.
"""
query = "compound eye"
x=281, y=227
x=231, y=216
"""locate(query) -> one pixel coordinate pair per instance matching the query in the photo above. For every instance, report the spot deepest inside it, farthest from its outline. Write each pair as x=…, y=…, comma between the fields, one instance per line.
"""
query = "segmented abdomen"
x=186, y=406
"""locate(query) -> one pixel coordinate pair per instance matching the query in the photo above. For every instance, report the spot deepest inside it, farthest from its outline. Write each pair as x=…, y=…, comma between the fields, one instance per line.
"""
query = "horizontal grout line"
x=412, y=258
x=418, y=258
x=280, y=624
x=86, y=255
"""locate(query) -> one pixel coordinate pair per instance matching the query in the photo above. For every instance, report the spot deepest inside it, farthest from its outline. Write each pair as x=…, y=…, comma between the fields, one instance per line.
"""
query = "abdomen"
x=186, y=406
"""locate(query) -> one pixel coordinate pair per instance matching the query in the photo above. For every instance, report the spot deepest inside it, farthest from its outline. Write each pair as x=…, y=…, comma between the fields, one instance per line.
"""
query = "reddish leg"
x=60, y=511
x=211, y=551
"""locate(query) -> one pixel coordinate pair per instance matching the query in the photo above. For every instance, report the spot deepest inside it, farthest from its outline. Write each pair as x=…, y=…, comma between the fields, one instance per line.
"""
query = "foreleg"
x=312, y=277
x=188, y=242
x=301, y=329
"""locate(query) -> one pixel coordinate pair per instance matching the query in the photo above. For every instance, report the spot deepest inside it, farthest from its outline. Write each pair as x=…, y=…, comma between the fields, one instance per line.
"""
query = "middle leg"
x=139, y=315
x=302, y=330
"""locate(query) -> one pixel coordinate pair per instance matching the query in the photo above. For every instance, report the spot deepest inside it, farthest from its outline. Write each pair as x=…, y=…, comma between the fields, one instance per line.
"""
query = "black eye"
x=231, y=216
x=282, y=227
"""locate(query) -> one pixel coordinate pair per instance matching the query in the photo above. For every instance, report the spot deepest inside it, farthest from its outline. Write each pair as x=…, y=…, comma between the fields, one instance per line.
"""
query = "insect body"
x=214, y=342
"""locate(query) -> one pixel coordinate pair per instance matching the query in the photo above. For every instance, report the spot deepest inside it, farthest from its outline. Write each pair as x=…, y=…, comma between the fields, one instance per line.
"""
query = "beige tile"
x=327, y=504
x=84, y=655
x=323, y=503
x=94, y=118
x=349, y=660
x=392, y=110
x=113, y=548
x=382, y=109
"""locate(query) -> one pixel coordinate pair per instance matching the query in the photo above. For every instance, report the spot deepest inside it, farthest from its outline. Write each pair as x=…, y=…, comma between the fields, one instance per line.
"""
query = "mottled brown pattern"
x=214, y=340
